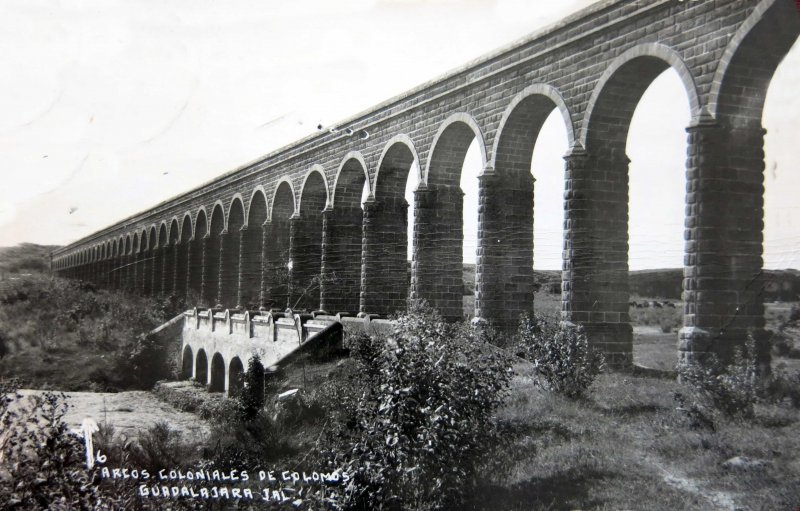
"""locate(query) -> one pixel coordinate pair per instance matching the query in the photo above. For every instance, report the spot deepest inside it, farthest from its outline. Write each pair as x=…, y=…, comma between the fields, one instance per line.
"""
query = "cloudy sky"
x=109, y=107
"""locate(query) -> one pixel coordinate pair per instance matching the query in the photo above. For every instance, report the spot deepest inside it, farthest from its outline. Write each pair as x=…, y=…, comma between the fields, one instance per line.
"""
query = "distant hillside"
x=782, y=285
x=25, y=258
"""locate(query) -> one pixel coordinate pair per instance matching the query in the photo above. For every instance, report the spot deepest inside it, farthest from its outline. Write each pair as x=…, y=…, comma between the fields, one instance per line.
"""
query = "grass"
x=627, y=447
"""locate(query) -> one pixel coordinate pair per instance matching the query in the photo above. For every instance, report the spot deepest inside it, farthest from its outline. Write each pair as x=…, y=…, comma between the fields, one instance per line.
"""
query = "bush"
x=42, y=465
x=561, y=354
x=423, y=419
x=251, y=398
x=714, y=390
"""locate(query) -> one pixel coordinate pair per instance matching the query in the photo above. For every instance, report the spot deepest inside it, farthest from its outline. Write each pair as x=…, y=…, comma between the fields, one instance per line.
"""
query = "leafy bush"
x=251, y=398
x=423, y=418
x=713, y=390
x=42, y=465
x=782, y=386
x=561, y=354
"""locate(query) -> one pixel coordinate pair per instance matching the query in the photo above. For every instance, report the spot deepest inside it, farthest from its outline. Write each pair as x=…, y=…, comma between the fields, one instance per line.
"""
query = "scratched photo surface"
x=400, y=254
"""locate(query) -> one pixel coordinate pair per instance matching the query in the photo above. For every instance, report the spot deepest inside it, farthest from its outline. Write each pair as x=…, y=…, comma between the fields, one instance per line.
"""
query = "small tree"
x=251, y=398
x=561, y=354
x=424, y=421
x=713, y=389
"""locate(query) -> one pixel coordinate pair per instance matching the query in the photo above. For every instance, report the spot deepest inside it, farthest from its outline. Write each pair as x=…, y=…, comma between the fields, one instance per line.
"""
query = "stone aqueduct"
x=255, y=237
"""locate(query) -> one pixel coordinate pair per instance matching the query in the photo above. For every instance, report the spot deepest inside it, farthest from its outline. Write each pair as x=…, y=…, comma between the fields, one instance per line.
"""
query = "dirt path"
x=128, y=412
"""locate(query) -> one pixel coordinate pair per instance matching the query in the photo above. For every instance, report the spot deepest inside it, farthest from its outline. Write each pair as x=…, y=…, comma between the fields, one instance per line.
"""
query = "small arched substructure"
x=182, y=264
x=201, y=367
x=726, y=173
x=217, y=381
x=235, y=377
x=197, y=260
x=596, y=274
x=252, y=246
x=505, y=284
x=229, y=270
x=214, y=249
x=306, y=244
x=385, y=275
x=439, y=227
x=276, y=253
x=342, y=231
x=187, y=364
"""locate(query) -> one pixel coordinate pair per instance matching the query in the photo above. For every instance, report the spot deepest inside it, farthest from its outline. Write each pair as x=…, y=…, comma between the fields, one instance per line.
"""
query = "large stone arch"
x=170, y=257
x=197, y=256
x=230, y=256
x=277, y=232
x=725, y=173
x=595, y=278
x=438, y=222
x=639, y=66
x=342, y=232
x=504, y=271
x=306, y=241
x=749, y=61
x=159, y=260
x=134, y=273
x=283, y=201
x=125, y=263
x=347, y=179
x=253, y=244
x=150, y=268
x=183, y=263
x=214, y=247
x=385, y=272
x=217, y=380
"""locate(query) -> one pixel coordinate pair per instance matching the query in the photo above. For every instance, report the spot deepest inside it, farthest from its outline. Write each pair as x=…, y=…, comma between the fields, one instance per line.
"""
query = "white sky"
x=108, y=107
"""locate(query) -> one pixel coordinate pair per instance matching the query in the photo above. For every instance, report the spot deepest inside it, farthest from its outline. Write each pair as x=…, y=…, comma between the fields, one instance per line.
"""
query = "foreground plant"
x=560, y=352
x=424, y=420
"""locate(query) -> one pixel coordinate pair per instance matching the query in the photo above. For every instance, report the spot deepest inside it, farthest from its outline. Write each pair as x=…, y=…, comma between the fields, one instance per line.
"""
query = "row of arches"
x=341, y=245
x=217, y=373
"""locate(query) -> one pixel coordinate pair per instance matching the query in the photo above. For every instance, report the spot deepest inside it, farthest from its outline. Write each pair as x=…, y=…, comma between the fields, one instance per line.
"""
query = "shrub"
x=251, y=398
x=423, y=420
x=561, y=354
x=712, y=389
x=42, y=465
x=781, y=386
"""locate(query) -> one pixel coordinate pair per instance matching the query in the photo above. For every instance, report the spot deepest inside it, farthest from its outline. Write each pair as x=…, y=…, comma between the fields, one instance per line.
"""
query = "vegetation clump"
x=423, y=419
x=69, y=334
x=560, y=353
